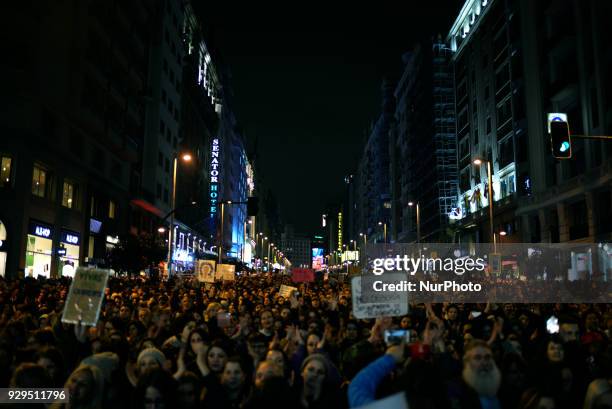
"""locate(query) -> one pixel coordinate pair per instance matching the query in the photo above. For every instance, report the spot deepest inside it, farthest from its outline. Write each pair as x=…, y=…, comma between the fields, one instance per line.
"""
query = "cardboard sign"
x=397, y=401
x=85, y=296
x=380, y=304
x=302, y=275
x=205, y=271
x=495, y=262
x=226, y=272
x=285, y=290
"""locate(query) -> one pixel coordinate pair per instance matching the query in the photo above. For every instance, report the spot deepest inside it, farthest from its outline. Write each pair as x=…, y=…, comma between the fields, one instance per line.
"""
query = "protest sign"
x=302, y=275
x=377, y=304
x=205, y=271
x=397, y=401
x=285, y=290
x=85, y=296
x=226, y=272
x=495, y=263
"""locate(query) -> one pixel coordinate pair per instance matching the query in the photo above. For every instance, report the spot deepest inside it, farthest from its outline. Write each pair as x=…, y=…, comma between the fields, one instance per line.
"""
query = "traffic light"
x=560, y=139
x=252, y=206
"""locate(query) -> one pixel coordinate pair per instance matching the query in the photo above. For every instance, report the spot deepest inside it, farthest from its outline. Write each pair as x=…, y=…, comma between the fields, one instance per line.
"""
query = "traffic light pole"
x=602, y=137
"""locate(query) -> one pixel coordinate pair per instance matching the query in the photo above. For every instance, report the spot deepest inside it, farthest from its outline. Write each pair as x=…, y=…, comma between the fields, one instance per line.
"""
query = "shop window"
x=68, y=194
x=5, y=170
x=112, y=208
x=39, y=181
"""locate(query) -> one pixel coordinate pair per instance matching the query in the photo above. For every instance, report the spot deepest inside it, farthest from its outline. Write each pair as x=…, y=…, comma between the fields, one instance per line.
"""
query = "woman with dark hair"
x=52, y=360
x=85, y=389
x=156, y=387
x=136, y=332
x=320, y=386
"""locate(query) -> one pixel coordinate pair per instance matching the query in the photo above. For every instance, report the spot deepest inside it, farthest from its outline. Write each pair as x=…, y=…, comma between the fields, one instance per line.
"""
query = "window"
x=167, y=165
x=160, y=159
x=68, y=194
x=158, y=191
x=5, y=171
x=464, y=183
x=488, y=125
x=165, y=65
x=39, y=181
x=164, y=97
x=168, y=136
x=162, y=126
x=166, y=195
x=112, y=208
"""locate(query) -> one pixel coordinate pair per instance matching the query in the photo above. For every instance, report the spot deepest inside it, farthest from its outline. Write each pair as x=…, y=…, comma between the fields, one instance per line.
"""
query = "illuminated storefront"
x=68, y=253
x=39, y=250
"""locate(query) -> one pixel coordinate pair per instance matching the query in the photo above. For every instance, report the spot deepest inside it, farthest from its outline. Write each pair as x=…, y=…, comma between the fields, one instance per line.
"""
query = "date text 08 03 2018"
x=33, y=395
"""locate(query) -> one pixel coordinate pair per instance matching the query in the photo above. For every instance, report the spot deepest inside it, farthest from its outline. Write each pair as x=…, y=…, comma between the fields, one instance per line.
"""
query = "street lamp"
x=365, y=238
x=384, y=229
x=479, y=162
x=185, y=157
x=418, y=219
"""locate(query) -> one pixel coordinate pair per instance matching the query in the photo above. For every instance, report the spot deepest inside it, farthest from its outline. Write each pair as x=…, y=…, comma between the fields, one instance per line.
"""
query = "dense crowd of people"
x=240, y=344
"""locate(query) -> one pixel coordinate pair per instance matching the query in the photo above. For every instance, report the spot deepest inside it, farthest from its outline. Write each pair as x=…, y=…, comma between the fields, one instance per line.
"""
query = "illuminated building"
x=424, y=155
x=515, y=61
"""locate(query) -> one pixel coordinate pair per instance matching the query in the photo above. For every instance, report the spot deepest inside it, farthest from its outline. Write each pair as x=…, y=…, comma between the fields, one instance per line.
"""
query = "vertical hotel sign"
x=214, y=179
x=340, y=231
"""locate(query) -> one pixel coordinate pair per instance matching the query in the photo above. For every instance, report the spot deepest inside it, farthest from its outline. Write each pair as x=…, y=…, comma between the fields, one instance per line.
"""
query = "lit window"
x=39, y=181
x=111, y=209
x=5, y=171
x=68, y=194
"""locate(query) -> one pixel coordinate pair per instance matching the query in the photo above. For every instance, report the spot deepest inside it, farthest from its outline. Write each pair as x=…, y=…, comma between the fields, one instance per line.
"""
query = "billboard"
x=318, y=259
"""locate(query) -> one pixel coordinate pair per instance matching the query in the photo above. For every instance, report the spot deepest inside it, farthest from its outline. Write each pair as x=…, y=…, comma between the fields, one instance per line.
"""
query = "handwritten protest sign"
x=85, y=296
x=285, y=290
x=302, y=275
x=205, y=271
x=226, y=272
x=377, y=304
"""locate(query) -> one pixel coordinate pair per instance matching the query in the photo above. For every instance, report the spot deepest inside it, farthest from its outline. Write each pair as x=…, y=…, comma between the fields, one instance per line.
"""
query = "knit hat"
x=154, y=353
x=106, y=362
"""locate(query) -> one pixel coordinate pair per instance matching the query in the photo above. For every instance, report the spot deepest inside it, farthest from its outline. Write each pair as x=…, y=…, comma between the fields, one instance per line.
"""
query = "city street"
x=252, y=206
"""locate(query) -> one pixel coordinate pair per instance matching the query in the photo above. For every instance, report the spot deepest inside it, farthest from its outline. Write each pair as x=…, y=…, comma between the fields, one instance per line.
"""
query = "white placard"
x=226, y=272
x=380, y=304
x=285, y=290
x=205, y=271
x=85, y=296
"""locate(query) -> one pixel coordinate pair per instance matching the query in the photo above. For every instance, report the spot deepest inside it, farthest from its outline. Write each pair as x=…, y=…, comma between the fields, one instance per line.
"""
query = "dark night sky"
x=306, y=84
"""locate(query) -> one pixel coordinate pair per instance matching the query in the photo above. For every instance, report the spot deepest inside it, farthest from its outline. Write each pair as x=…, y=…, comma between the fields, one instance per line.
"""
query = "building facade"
x=73, y=132
x=423, y=145
x=514, y=63
x=370, y=197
